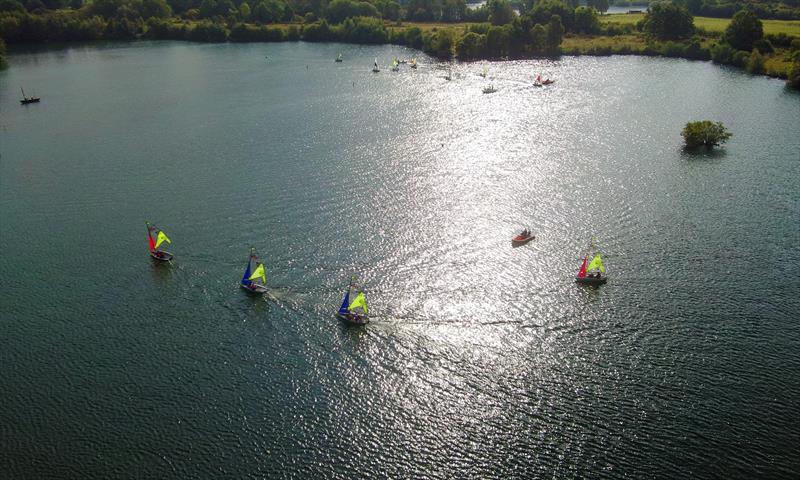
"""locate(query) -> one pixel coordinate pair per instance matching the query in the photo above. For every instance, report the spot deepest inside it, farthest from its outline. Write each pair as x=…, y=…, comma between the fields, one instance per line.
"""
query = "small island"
x=704, y=133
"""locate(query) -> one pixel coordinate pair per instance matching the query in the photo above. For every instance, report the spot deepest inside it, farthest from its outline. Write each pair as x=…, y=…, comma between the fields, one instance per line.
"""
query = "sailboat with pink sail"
x=593, y=272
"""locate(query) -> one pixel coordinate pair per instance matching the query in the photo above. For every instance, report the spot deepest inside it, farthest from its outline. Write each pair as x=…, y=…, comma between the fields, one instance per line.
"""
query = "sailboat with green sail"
x=254, y=279
x=354, y=305
x=155, y=239
x=593, y=273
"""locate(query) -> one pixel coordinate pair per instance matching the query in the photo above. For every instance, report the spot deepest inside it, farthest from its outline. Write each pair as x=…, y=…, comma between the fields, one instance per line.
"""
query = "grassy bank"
x=711, y=25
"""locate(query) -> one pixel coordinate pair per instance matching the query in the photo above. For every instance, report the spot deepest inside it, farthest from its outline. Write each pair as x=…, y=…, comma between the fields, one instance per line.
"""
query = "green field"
x=789, y=27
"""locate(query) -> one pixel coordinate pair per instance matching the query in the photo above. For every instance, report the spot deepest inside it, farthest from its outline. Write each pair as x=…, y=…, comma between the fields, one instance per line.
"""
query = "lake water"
x=481, y=361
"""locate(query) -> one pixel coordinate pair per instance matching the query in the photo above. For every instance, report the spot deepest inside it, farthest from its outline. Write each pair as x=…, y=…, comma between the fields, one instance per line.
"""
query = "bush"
x=704, y=133
x=755, y=63
x=793, y=81
x=722, y=53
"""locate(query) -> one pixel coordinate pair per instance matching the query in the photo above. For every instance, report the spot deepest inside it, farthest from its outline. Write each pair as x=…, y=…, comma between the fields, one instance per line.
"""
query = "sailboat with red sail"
x=592, y=272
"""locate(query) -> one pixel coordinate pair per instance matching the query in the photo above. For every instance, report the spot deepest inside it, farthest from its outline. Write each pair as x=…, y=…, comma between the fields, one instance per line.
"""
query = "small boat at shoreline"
x=26, y=99
x=594, y=272
x=254, y=279
x=524, y=237
x=353, y=312
x=156, y=237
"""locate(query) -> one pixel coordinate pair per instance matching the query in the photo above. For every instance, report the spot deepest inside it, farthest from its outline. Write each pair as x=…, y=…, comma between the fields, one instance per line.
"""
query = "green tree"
x=705, y=134
x=471, y=45
x=545, y=9
x=744, y=31
x=585, y=20
x=793, y=81
x=339, y=10
x=11, y=6
x=668, y=21
x=244, y=11
x=500, y=12
x=155, y=9
x=555, y=32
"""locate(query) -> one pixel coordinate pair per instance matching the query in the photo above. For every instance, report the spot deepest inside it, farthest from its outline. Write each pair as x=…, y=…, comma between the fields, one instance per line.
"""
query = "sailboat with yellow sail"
x=254, y=279
x=593, y=273
x=156, y=238
x=354, y=309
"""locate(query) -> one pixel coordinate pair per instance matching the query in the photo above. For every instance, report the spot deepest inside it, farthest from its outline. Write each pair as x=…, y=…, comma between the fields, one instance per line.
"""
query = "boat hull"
x=517, y=241
x=26, y=101
x=254, y=289
x=162, y=256
x=353, y=319
x=590, y=280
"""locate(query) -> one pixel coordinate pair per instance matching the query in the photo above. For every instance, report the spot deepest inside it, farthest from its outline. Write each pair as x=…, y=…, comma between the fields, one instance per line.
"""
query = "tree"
x=585, y=20
x=744, y=31
x=668, y=21
x=545, y=9
x=500, y=12
x=11, y=6
x=244, y=11
x=555, y=31
x=471, y=45
x=755, y=62
x=705, y=134
x=155, y=8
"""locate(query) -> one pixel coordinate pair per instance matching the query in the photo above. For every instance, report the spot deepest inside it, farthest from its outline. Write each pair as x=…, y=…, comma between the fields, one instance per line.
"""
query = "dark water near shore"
x=482, y=361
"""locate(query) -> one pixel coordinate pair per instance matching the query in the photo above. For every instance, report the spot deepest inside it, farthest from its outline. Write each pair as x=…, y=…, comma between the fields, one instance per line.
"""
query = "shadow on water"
x=702, y=154
x=162, y=272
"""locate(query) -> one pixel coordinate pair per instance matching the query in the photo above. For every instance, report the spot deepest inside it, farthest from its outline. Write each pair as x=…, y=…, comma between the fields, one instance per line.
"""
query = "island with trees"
x=443, y=28
x=704, y=133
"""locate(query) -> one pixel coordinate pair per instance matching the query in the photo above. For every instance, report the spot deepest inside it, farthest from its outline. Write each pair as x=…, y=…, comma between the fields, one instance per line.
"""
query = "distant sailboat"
x=489, y=89
x=339, y=58
x=354, y=305
x=254, y=279
x=375, y=69
x=594, y=272
x=395, y=65
x=485, y=71
x=449, y=75
x=26, y=100
x=413, y=63
x=155, y=238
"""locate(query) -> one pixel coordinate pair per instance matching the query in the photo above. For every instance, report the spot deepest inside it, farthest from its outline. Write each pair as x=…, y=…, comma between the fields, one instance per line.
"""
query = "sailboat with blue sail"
x=354, y=309
x=254, y=279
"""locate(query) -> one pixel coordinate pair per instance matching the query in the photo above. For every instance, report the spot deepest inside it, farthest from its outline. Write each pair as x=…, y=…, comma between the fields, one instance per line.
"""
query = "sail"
x=246, y=277
x=150, y=240
x=345, y=302
x=162, y=237
x=582, y=271
x=258, y=274
x=376, y=63
x=359, y=303
x=596, y=264
x=485, y=71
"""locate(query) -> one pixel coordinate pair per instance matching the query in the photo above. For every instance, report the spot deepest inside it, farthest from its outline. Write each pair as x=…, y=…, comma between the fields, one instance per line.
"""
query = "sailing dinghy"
x=594, y=272
x=339, y=58
x=395, y=65
x=375, y=69
x=254, y=279
x=155, y=238
x=354, y=306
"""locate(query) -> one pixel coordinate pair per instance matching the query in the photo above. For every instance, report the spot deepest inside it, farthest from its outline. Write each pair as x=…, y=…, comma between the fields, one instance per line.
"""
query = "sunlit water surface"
x=481, y=360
